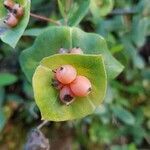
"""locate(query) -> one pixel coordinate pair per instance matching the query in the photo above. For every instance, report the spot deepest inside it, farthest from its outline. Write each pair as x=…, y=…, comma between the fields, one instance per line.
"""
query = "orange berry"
x=66, y=74
x=66, y=95
x=81, y=86
x=76, y=50
x=11, y=20
x=18, y=10
x=9, y=4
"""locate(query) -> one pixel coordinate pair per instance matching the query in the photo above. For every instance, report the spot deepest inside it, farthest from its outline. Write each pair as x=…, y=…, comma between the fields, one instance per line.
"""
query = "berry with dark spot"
x=11, y=20
x=18, y=10
x=66, y=95
x=9, y=4
x=66, y=74
x=81, y=86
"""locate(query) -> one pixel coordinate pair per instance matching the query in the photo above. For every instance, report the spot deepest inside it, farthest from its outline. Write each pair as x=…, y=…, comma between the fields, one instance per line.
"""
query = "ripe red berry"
x=9, y=4
x=11, y=20
x=66, y=74
x=66, y=95
x=81, y=86
x=76, y=50
x=18, y=10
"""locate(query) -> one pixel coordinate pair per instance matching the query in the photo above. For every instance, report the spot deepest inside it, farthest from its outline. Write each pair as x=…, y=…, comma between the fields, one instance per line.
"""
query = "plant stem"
x=45, y=19
x=122, y=11
x=42, y=124
x=68, y=5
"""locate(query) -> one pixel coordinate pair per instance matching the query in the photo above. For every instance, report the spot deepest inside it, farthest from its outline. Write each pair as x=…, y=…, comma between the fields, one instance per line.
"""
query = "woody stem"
x=45, y=19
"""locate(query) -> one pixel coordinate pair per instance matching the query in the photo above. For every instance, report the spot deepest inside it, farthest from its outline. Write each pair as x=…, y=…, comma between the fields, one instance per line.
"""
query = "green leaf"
x=61, y=8
x=11, y=36
x=53, y=38
x=131, y=52
x=124, y=147
x=101, y=7
x=7, y=79
x=146, y=74
x=82, y=8
x=146, y=111
x=124, y=115
x=33, y=31
x=138, y=35
x=143, y=8
x=27, y=88
x=117, y=48
x=137, y=136
x=2, y=120
x=133, y=89
x=132, y=146
x=2, y=95
x=47, y=98
x=4, y=116
x=73, y=12
x=100, y=133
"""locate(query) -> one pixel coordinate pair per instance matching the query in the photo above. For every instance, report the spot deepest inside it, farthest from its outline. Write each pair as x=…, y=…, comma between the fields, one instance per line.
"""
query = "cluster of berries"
x=70, y=84
x=15, y=12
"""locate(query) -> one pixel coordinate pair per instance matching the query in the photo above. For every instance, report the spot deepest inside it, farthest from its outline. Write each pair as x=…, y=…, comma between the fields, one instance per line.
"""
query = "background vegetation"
x=123, y=121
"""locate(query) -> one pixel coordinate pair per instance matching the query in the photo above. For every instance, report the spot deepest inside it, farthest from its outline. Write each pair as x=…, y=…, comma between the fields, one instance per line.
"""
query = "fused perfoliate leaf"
x=11, y=36
x=47, y=97
x=54, y=38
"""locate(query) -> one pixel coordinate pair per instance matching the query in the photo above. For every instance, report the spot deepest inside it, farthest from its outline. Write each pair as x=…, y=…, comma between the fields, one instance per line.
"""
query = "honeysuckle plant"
x=39, y=60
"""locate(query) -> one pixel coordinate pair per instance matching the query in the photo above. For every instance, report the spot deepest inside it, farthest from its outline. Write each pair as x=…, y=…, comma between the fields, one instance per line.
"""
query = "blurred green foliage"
x=123, y=121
